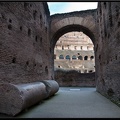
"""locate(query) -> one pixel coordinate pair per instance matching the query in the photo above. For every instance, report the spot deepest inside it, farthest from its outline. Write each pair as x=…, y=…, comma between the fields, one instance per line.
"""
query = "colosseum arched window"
x=81, y=47
x=73, y=57
x=75, y=47
x=67, y=57
x=68, y=46
x=85, y=71
x=90, y=71
x=86, y=58
x=61, y=57
x=92, y=57
x=80, y=57
x=54, y=56
x=62, y=47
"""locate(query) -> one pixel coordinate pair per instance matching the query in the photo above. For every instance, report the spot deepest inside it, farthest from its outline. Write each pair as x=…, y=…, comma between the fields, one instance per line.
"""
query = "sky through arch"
x=64, y=7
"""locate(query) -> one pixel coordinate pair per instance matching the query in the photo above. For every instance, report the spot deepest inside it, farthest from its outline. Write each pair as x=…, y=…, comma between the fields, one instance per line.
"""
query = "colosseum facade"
x=74, y=51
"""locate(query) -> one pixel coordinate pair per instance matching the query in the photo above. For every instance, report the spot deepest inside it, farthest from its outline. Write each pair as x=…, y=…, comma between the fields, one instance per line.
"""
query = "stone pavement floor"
x=73, y=102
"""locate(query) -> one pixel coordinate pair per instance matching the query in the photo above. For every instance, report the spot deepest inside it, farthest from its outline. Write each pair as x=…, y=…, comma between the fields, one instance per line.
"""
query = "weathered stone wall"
x=26, y=54
x=24, y=42
x=108, y=50
x=74, y=78
x=85, y=66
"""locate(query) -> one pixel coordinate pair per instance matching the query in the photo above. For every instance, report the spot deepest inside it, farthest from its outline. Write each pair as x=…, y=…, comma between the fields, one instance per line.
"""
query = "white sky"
x=64, y=7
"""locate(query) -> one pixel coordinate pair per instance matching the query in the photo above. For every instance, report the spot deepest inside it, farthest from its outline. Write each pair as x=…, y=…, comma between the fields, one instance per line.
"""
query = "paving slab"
x=73, y=102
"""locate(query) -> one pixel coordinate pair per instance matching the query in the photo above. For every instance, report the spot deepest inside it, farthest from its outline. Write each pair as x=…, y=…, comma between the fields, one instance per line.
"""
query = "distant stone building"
x=74, y=50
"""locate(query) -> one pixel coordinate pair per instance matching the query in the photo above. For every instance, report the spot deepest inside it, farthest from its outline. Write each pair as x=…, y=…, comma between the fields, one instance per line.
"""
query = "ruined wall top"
x=76, y=13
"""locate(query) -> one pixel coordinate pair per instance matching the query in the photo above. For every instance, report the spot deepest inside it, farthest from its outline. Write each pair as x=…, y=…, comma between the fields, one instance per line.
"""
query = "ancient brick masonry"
x=24, y=56
x=75, y=79
x=24, y=42
x=108, y=50
x=27, y=43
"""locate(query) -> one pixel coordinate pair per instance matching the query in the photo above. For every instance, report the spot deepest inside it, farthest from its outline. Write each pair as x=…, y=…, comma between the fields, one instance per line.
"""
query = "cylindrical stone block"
x=51, y=87
x=15, y=98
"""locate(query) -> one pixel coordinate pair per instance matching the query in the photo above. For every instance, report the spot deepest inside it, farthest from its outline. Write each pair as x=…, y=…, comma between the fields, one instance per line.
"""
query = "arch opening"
x=71, y=28
x=76, y=58
x=80, y=58
x=67, y=57
x=73, y=61
x=61, y=57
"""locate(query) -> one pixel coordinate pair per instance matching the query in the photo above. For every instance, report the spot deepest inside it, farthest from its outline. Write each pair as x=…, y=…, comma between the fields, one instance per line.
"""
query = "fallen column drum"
x=51, y=87
x=15, y=98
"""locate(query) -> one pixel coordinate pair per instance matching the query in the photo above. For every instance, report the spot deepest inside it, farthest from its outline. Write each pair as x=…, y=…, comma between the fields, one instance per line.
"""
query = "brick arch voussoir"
x=64, y=22
x=90, y=24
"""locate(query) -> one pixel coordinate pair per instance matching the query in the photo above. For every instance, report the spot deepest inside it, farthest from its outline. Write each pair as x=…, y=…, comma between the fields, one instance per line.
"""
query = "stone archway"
x=60, y=24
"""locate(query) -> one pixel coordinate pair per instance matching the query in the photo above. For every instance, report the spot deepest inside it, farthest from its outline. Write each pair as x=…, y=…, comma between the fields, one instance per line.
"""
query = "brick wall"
x=24, y=42
x=108, y=50
x=75, y=79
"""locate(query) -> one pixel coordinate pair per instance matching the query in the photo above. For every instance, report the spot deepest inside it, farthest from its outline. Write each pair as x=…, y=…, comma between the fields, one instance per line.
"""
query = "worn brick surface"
x=108, y=50
x=74, y=79
x=24, y=42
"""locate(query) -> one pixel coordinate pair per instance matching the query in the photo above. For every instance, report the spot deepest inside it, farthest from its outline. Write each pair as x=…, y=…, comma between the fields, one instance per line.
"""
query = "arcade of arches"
x=74, y=51
x=28, y=35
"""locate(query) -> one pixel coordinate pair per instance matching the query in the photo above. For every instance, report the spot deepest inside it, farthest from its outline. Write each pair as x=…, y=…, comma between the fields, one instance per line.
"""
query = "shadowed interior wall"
x=73, y=78
x=108, y=50
x=24, y=42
